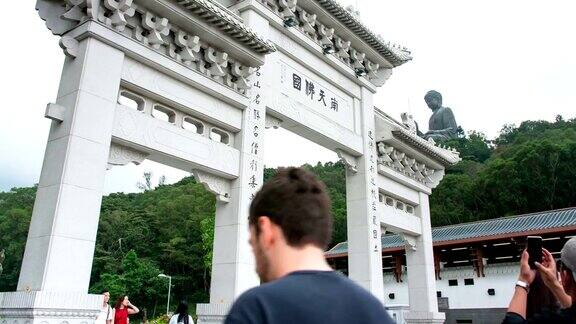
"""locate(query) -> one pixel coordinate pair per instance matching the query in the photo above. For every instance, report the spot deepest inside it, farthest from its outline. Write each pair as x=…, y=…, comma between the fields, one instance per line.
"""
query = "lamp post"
x=169, y=286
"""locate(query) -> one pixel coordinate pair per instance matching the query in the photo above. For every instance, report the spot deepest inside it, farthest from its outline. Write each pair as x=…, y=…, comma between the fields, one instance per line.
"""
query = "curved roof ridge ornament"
x=394, y=54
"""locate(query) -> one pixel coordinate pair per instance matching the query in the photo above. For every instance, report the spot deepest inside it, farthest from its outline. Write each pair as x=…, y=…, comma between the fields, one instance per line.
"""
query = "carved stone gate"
x=193, y=84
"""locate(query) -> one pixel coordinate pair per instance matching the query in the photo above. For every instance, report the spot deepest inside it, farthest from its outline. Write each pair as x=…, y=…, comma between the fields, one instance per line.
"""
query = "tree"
x=137, y=278
x=472, y=148
x=170, y=228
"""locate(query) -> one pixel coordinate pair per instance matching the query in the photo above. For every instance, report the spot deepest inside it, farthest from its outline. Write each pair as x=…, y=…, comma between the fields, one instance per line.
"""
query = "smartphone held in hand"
x=534, y=247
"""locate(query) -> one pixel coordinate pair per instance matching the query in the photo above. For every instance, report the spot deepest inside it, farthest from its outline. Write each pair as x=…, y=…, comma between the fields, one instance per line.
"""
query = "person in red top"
x=122, y=309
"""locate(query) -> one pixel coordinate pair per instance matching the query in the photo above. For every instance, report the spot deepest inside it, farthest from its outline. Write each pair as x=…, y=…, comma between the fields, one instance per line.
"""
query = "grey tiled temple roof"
x=552, y=219
x=394, y=54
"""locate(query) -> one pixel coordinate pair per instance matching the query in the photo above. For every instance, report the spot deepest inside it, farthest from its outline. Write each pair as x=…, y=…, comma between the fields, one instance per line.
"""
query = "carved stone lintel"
x=326, y=35
x=308, y=22
x=190, y=46
x=69, y=45
x=350, y=161
x=216, y=185
x=342, y=47
x=157, y=27
x=240, y=74
x=120, y=10
x=288, y=8
x=272, y=122
x=397, y=160
x=409, y=241
x=122, y=155
x=218, y=61
x=80, y=10
x=408, y=163
x=371, y=68
x=397, y=157
x=385, y=154
x=357, y=59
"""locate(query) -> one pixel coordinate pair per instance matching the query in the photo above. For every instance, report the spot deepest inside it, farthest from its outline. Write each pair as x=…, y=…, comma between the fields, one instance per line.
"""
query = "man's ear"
x=266, y=227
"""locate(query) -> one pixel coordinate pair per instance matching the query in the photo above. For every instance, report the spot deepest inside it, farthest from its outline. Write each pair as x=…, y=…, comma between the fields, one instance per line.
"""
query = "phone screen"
x=534, y=247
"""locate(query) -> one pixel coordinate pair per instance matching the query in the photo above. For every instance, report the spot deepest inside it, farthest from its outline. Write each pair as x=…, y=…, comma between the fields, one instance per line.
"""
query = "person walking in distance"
x=106, y=315
x=122, y=309
x=290, y=227
x=181, y=316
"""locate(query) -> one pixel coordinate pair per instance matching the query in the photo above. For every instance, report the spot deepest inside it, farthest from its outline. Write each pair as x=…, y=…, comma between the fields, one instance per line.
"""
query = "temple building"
x=476, y=264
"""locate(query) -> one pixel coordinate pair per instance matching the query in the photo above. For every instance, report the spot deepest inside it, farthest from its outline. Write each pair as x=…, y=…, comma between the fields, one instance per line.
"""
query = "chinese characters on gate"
x=310, y=92
x=373, y=192
x=255, y=117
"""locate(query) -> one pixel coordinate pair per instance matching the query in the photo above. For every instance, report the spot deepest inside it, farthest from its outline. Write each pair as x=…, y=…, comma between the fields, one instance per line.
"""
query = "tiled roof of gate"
x=213, y=13
x=396, y=55
x=500, y=226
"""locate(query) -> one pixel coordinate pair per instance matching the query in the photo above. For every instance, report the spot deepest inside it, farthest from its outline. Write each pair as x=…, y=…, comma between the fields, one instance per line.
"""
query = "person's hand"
x=547, y=270
x=526, y=274
x=549, y=275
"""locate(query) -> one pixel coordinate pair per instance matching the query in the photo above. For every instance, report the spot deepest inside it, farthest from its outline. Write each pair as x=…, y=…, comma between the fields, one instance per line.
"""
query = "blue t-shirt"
x=307, y=297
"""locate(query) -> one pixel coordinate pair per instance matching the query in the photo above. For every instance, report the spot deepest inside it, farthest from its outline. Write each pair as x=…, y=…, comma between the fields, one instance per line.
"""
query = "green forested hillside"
x=169, y=229
x=530, y=168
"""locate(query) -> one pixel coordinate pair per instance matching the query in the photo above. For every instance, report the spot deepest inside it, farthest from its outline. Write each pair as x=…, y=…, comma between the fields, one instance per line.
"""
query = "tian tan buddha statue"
x=442, y=124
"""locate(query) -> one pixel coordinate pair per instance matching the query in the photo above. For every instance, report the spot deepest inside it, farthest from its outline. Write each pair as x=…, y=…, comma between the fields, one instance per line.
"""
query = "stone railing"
x=174, y=116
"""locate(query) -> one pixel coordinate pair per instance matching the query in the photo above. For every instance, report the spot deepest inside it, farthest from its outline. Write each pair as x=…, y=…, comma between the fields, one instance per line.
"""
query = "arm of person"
x=110, y=317
x=517, y=308
x=563, y=298
x=133, y=309
x=549, y=276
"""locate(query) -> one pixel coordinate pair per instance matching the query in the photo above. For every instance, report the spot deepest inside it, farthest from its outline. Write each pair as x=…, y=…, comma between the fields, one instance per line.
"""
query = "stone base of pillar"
x=47, y=307
x=413, y=317
x=211, y=313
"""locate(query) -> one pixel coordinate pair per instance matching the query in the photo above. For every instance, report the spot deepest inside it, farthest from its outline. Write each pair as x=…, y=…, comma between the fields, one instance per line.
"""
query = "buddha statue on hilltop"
x=442, y=124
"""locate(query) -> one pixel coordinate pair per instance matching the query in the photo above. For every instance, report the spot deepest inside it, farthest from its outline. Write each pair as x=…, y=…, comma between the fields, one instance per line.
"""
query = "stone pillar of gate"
x=233, y=266
x=420, y=265
x=55, y=273
x=363, y=224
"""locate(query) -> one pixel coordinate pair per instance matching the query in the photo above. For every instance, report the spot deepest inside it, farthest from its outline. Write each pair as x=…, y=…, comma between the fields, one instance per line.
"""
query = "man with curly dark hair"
x=290, y=227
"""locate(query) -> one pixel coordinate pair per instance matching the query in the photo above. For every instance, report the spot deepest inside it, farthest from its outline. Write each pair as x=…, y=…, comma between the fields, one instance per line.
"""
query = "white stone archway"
x=229, y=68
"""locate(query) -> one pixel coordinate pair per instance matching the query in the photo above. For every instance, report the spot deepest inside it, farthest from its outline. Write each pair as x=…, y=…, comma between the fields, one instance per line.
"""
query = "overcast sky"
x=494, y=61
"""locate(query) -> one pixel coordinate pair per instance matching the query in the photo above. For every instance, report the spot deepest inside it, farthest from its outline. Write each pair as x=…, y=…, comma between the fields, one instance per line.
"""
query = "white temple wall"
x=501, y=278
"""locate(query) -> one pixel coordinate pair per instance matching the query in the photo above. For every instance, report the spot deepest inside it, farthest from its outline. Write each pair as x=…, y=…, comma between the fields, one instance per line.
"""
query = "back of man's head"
x=296, y=201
